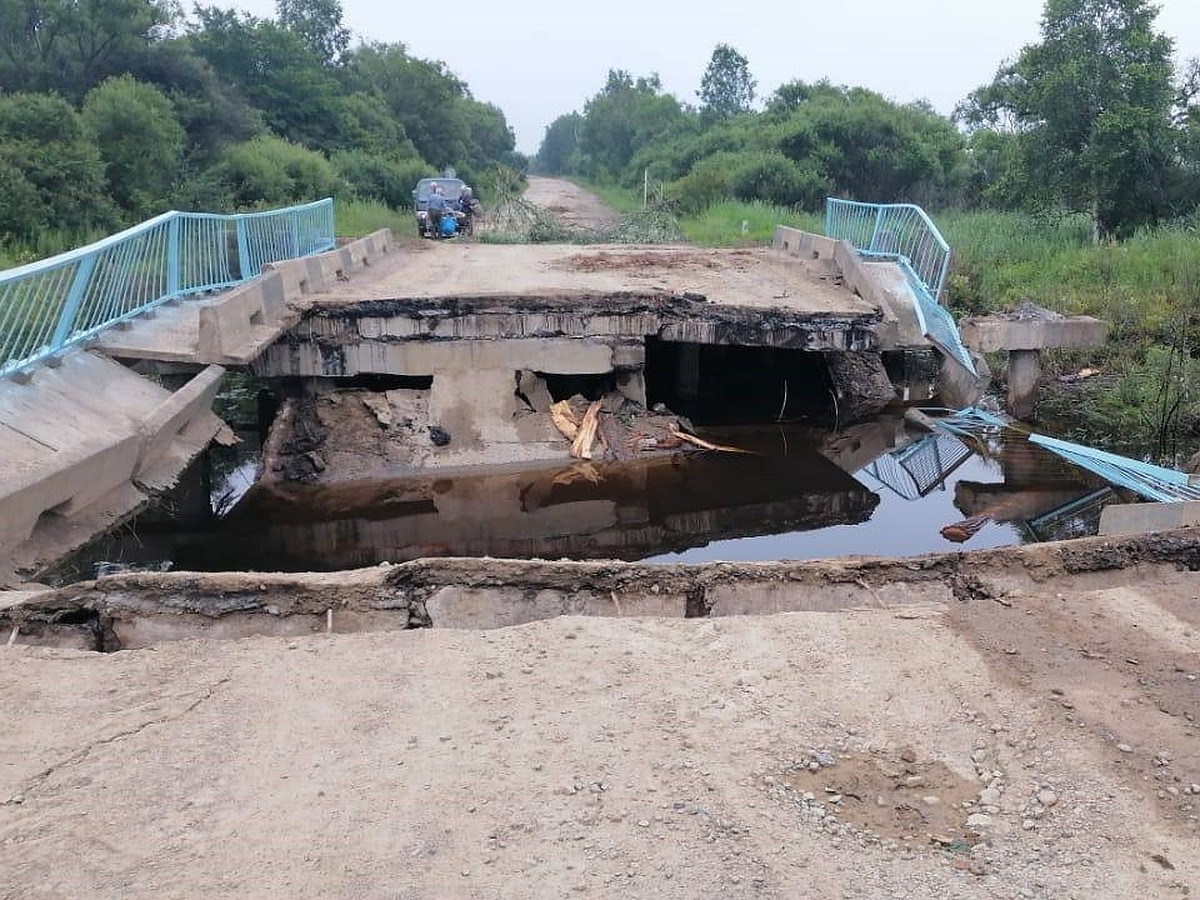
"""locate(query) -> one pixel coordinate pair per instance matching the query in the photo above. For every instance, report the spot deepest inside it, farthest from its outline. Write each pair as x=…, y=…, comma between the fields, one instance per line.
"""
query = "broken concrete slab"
x=83, y=444
x=1141, y=518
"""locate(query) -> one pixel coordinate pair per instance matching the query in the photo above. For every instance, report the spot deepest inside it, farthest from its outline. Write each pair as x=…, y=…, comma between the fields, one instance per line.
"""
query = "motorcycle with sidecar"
x=441, y=209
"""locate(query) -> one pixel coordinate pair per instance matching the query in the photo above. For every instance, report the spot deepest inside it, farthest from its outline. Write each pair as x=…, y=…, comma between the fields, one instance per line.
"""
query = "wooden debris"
x=581, y=448
x=564, y=419
x=703, y=444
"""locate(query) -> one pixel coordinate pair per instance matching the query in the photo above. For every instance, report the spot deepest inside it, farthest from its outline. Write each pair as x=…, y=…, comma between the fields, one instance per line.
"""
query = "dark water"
x=800, y=493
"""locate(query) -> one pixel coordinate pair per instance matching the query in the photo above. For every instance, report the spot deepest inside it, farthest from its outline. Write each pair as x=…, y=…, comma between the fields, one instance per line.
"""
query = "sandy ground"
x=1043, y=746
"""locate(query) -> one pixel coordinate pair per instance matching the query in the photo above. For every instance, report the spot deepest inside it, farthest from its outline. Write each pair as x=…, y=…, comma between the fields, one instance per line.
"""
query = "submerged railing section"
x=903, y=233
x=56, y=303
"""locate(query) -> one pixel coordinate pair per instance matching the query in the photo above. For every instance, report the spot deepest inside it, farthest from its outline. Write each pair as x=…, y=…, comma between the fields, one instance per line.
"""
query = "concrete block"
x=803, y=244
x=988, y=334
x=65, y=483
x=1140, y=518
x=175, y=414
x=958, y=388
x=242, y=320
x=293, y=274
x=788, y=240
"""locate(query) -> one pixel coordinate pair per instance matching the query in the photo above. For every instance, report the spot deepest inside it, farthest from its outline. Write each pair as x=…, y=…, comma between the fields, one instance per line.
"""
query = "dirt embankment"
x=1004, y=725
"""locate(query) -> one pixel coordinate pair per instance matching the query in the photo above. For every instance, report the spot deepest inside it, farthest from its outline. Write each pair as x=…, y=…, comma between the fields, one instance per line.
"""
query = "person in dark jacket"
x=437, y=206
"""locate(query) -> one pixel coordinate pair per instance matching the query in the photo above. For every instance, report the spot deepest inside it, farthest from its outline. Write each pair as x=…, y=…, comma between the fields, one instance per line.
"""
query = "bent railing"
x=891, y=231
x=903, y=233
x=53, y=304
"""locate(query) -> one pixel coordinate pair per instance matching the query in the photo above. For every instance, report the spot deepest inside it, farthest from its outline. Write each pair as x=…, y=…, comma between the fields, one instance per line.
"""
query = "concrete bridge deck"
x=810, y=282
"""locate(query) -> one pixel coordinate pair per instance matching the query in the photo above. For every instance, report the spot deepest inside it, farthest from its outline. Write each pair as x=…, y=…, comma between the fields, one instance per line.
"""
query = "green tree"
x=558, y=153
x=423, y=96
x=389, y=180
x=52, y=170
x=275, y=70
x=727, y=88
x=1091, y=104
x=140, y=141
x=624, y=117
x=319, y=23
x=871, y=148
x=69, y=47
x=211, y=110
x=489, y=137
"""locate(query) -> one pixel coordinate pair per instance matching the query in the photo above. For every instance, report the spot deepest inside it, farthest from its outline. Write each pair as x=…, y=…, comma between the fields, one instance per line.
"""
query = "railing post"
x=875, y=234
x=75, y=295
x=173, y=263
x=294, y=219
x=243, y=245
x=942, y=277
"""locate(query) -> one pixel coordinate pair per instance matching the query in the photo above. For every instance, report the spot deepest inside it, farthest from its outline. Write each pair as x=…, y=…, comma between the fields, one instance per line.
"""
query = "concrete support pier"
x=1025, y=333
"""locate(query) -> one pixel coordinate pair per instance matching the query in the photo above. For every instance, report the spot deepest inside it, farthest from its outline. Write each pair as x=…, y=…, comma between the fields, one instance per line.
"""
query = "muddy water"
x=799, y=493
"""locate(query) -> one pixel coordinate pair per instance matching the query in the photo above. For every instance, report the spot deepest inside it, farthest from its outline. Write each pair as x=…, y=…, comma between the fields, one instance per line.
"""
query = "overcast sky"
x=537, y=60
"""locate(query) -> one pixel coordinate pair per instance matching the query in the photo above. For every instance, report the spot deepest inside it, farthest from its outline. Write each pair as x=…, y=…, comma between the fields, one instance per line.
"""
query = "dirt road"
x=571, y=205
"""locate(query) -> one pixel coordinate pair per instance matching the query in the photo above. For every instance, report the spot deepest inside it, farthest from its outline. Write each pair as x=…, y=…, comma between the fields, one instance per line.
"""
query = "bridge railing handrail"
x=55, y=303
x=904, y=234
x=893, y=230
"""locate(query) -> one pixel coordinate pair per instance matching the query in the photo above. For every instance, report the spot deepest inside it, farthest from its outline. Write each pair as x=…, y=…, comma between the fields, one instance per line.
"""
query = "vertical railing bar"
x=75, y=295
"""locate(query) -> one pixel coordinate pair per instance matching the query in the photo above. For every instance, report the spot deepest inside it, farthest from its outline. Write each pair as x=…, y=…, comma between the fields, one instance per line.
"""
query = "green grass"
x=48, y=243
x=622, y=199
x=356, y=218
x=1145, y=286
x=739, y=224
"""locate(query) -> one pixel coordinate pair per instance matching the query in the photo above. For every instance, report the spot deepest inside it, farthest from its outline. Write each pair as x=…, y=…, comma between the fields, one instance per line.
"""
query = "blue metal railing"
x=1153, y=482
x=903, y=233
x=891, y=231
x=56, y=303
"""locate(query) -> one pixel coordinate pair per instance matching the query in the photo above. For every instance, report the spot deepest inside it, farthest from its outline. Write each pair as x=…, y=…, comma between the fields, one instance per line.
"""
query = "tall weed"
x=733, y=223
x=355, y=218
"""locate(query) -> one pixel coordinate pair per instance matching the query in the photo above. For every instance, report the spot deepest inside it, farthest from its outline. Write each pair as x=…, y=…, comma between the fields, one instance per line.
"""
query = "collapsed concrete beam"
x=1025, y=337
x=81, y=445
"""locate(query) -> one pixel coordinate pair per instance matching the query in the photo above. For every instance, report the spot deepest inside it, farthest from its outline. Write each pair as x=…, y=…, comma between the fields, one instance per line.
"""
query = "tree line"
x=115, y=110
x=1094, y=118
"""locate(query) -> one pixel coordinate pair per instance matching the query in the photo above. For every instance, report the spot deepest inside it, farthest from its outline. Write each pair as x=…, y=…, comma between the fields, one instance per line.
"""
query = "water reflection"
x=801, y=493
x=583, y=511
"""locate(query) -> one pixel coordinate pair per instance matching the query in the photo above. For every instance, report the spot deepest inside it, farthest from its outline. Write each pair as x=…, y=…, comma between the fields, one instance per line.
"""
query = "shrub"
x=773, y=178
x=269, y=170
x=370, y=176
